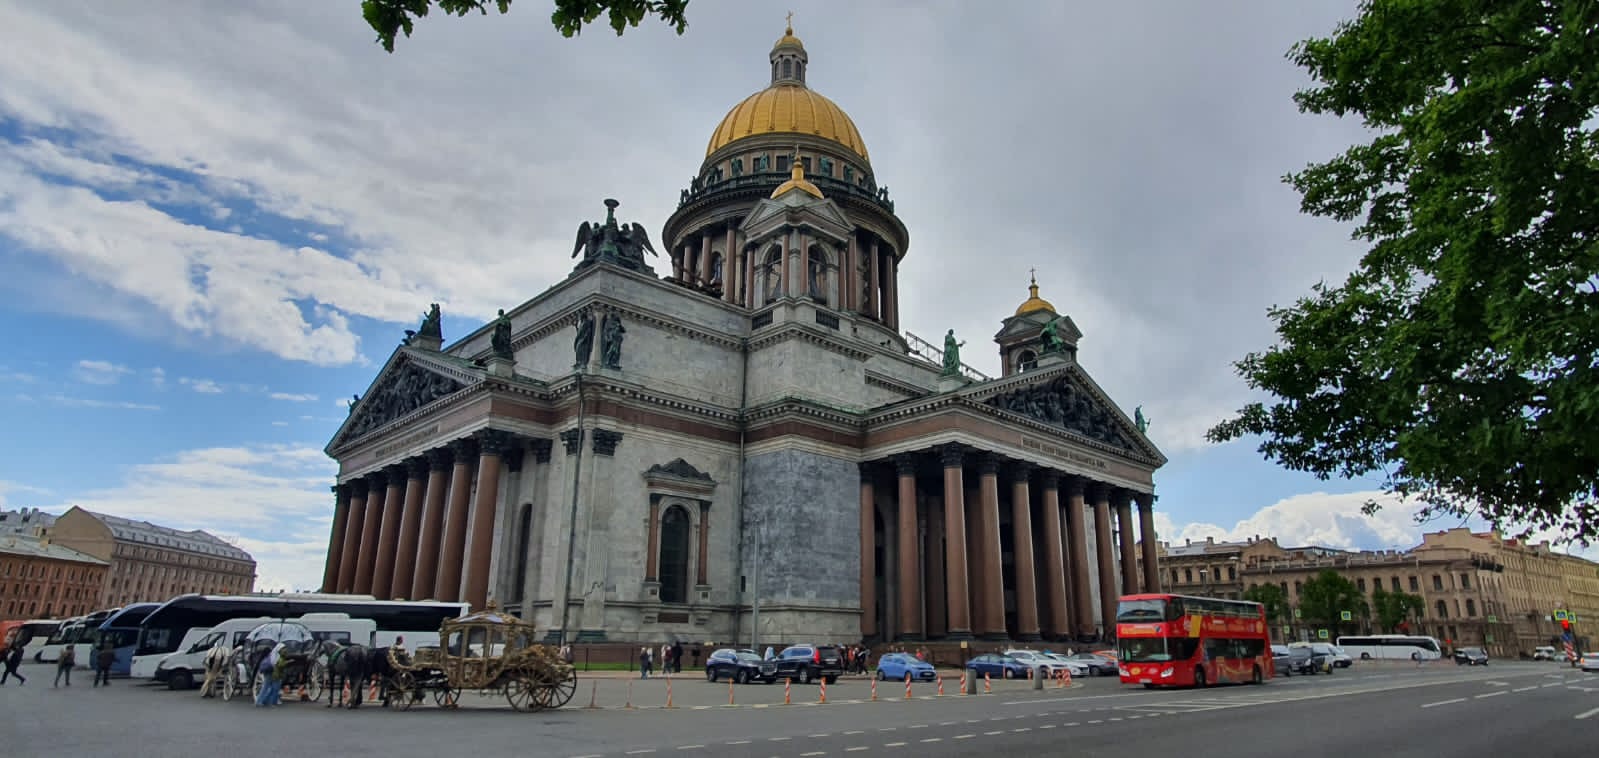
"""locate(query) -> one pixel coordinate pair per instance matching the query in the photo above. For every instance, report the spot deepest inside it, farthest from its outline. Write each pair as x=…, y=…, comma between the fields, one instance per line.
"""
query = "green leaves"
x=390, y=18
x=1459, y=362
x=1393, y=608
x=1273, y=598
x=1325, y=597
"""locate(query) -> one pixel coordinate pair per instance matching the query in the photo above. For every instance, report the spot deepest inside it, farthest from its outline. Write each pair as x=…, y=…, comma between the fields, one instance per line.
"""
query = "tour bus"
x=31, y=635
x=180, y=669
x=122, y=628
x=73, y=631
x=191, y=616
x=1391, y=647
x=1181, y=641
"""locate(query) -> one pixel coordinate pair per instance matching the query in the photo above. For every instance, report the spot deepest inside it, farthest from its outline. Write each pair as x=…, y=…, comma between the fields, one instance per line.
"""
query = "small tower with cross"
x=1025, y=338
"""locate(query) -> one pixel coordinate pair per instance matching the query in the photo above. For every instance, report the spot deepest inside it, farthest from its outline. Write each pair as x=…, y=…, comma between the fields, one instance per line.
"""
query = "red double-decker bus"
x=1182, y=641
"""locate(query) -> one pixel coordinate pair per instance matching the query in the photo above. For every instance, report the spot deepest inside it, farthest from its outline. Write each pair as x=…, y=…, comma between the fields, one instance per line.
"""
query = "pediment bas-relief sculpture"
x=1069, y=405
x=404, y=390
x=681, y=469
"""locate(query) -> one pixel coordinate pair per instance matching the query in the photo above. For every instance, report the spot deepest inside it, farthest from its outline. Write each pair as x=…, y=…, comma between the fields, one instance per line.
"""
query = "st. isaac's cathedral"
x=644, y=455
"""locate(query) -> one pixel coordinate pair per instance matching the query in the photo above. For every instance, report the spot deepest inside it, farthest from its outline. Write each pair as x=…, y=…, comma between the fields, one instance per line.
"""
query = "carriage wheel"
x=564, y=689
x=447, y=696
x=522, y=690
x=402, y=690
x=256, y=683
x=316, y=681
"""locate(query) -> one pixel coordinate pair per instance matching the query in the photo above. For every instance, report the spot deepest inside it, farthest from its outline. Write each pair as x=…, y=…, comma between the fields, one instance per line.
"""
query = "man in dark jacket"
x=103, y=658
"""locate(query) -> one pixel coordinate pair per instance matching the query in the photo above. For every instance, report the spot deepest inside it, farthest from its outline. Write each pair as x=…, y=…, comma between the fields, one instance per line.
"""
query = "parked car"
x=997, y=665
x=894, y=667
x=1303, y=659
x=1471, y=656
x=1590, y=662
x=1093, y=665
x=1045, y=665
x=741, y=666
x=1334, y=654
x=1545, y=653
x=808, y=663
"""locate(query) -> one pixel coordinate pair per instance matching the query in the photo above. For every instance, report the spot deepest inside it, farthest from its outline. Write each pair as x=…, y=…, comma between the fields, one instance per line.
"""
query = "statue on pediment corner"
x=432, y=323
x=583, y=342
x=500, y=342
x=952, y=354
x=1140, y=421
x=611, y=334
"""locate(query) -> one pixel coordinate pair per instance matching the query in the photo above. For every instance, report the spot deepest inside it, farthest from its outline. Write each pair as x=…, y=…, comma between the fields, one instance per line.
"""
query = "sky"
x=217, y=219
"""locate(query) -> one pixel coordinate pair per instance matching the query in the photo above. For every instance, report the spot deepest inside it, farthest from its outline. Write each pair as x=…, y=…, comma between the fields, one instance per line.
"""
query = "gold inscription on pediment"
x=1063, y=453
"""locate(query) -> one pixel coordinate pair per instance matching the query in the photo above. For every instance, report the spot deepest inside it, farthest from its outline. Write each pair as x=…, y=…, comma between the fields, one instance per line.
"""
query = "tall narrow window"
x=524, y=537
x=674, y=555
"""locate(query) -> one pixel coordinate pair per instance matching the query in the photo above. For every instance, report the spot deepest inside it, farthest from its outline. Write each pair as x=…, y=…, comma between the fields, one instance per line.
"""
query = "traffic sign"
x=1493, y=619
x=1560, y=614
x=1321, y=633
x=1346, y=616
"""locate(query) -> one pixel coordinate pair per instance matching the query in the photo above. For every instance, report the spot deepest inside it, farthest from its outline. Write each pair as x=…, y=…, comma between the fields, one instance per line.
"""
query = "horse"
x=346, y=664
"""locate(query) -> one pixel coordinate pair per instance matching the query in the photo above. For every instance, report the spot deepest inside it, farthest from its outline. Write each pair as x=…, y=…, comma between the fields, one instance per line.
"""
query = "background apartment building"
x=41, y=580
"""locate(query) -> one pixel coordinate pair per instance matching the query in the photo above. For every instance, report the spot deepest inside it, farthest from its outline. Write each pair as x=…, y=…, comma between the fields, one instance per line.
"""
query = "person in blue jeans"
x=271, y=686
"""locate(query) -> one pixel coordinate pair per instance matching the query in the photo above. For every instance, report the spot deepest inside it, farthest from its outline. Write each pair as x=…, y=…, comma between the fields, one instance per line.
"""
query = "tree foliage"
x=1395, y=608
x=389, y=18
x=1327, y=595
x=1459, y=362
x=1272, y=597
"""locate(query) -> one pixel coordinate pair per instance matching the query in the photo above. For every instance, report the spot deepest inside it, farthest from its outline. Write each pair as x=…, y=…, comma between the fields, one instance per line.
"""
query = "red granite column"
x=1147, y=540
x=416, y=470
x=935, y=577
x=1021, y=529
x=1129, y=551
x=370, y=529
x=1105, y=555
x=992, y=593
x=1077, y=534
x=1054, y=556
x=448, y=585
x=492, y=443
x=868, y=517
x=341, y=512
x=431, y=533
x=652, y=557
x=389, y=532
x=353, y=522
x=910, y=578
x=702, y=571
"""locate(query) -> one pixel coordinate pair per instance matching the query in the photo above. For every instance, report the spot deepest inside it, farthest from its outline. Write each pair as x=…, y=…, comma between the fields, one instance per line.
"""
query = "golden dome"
x=1034, y=303
x=788, y=38
x=787, y=108
x=797, y=181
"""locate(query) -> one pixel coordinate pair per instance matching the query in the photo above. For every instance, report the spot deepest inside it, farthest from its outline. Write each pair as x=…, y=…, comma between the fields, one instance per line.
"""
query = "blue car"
x=894, y=667
x=998, y=666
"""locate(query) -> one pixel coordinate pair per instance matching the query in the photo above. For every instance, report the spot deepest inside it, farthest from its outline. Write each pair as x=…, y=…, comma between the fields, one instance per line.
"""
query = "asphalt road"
x=1506, y=708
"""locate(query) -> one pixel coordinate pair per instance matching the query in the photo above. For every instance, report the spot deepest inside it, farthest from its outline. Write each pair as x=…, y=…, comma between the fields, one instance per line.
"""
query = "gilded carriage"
x=489, y=650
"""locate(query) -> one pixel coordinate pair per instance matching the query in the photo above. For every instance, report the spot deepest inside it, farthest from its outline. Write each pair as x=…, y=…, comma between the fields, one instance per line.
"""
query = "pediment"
x=1070, y=401
x=407, y=383
x=1031, y=324
x=770, y=215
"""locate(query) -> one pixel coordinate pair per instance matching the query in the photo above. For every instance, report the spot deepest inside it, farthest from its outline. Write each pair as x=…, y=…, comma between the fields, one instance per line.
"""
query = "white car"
x=1049, y=666
x=1545, y=653
x=1590, y=662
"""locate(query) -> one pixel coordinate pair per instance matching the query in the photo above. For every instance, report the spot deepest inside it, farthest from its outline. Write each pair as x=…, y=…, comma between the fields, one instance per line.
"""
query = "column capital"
x=464, y=450
x=1099, y=492
x=1145, y=501
x=605, y=441
x=492, y=441
x=357, y=487
x=952, y=455
x=394, y=473
x=1074, y=486
x=1120, y=497
x=1049, y=478
x=340, y=491
x=376, y=480
x=905, y=464
x=572, y=439
x=1019, y=472
x=417, y=468
x=868, y=470
x=513, y=456
x=988, y=464
x=440, y=458
x=541, y=450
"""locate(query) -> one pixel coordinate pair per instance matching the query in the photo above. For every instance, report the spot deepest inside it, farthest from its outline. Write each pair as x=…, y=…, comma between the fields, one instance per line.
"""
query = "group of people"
x=670, y=660
x=104, y=655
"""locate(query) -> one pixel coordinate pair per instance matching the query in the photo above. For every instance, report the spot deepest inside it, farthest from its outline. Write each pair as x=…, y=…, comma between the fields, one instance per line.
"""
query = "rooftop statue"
x=500, y=343
x=432, y=323
x=1051, y=338
x=952, y=354
x=1139, y=420
x=610, y=242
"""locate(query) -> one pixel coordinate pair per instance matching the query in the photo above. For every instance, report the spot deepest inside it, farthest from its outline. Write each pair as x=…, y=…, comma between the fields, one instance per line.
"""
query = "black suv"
x=808, y=663
x=1471, y=656
x=741, y=667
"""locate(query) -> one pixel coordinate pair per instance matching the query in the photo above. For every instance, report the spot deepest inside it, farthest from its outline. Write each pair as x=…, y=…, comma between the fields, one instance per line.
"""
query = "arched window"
x=773, y=268
x=1026, y=360
x=674, y=555
x=716, y=267
x=788, y=68
x=816, y=263
x=524, y=537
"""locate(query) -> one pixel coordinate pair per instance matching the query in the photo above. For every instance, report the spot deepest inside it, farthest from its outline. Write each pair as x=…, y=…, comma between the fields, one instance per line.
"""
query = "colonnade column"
x=1054, y=563
x=957, y=599
x=410, y=528
x=448, y=585
x=992, y=594
x=432, y=530
x=341, y=511
x=704, y=274
x=1077, y=534
x=868, y=552
x=1107, y=563
x=491, y=445
x=370, y=527
x=873, y=297
x=729, y=268
x=702, y=573
x=910, y=579
x=1129, y=552
x=933, y=569
x=353, y=520
x=1021, y=529
x=1146, y=537
x=652, y=554
x=891, y=311
x=389, y=532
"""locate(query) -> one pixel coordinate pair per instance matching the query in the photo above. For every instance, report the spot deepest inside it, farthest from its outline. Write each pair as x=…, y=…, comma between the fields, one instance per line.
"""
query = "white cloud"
x=294, y=397
x=80, y=402
x=99, y=372
x=158, y=377
x=280, y=423
x=8, y=489
x=343, y=402
x=203, y=386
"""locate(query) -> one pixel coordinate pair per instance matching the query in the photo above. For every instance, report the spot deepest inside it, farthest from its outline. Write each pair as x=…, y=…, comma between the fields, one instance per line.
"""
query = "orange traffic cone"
x=372, y=691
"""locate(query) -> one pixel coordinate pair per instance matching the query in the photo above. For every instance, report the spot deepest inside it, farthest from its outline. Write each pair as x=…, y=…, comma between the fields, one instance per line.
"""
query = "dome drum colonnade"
x=950, y=577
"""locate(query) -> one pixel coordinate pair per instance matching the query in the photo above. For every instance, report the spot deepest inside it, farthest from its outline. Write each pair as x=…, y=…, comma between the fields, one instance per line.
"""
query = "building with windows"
x=631, y=456
x=151, y=563
x=42, y=580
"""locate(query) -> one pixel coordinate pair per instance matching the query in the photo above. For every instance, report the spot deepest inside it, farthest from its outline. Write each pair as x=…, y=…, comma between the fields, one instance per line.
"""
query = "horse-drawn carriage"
x=488, y=651
x=303, y=666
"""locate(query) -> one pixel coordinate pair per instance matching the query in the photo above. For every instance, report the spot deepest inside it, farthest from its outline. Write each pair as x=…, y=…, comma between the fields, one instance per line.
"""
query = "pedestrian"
x=103, y=658
x=769, y=655
x=13, y=659
x=266, y=669
x=644, y=662
x=69, y=657
x=677, y=656
x=666, y=658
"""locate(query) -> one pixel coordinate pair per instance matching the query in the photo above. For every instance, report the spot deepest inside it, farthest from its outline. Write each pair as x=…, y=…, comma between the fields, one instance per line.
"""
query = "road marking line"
x=964, y=736
x=1553, y=684
x=1587, y=714
x=893, y=744
x=813, y=753
x=1497, y=683
x=1023, y=729
x=1525, y=689
x=1074, y=723
x=1097, y=721
x=974, y=721
x=760, y=705
x=777, y=739
x=1444, y=702
x=690, y=747
x=934, y=739
x=854, y=731
x=948, y=723
x=855, y=749
x=817, y=736
x=917, y=726
x=1047, y=726
x=887, y=729
x=640, y=752
x=990, y=734
x=1491, y=694
x=739, y=742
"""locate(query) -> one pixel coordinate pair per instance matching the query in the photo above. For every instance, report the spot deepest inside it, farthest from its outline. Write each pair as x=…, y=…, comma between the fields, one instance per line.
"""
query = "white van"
x=182, y=669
